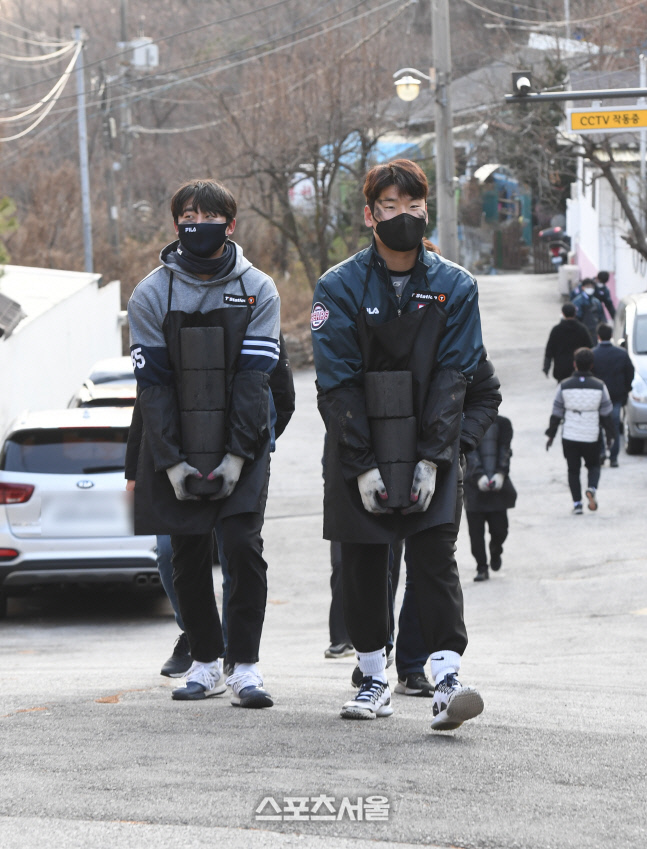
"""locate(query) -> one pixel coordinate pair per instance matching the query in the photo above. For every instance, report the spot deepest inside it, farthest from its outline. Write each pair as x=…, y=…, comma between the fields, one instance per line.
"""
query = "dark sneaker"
x=454, y=704
x=483, y=575
x=590, y=495
x=373, y=699
x=357, y=677
x=179, y=662
x=577, y=508
x=202, y=680
x=416, y=684
x=614, y=464
x=247, y=690
x=495, y=562
x=339, y=650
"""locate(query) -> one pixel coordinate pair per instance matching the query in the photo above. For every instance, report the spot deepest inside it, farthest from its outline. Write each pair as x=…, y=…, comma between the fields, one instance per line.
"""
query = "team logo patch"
x=440, y=297
x=240, y=300
x=318, y=316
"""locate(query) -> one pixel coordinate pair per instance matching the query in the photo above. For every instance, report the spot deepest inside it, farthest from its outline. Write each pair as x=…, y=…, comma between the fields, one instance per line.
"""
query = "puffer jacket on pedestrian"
x=491, y=457
x=582, y=402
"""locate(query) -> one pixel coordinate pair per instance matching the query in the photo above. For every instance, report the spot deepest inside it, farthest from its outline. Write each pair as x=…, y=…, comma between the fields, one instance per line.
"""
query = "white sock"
x=443, y=663
x=373, y=663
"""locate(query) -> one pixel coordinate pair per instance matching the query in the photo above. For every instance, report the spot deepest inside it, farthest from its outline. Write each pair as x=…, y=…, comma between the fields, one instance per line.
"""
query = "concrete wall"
x=46, y=358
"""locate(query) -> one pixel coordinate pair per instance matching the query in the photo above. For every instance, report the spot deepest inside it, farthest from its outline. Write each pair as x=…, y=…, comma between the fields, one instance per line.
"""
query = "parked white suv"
x=65, y=516
x=630, y=331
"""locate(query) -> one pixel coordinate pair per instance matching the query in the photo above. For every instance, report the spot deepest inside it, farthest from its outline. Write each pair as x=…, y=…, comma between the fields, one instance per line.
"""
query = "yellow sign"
x=611, y=120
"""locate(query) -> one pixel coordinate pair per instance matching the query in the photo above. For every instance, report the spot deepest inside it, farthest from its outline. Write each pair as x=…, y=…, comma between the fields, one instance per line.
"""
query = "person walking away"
x=588, y=310
x=582, y=402
x=613, y=365
x=489, y=494
x=603, y=294
x=563, y=340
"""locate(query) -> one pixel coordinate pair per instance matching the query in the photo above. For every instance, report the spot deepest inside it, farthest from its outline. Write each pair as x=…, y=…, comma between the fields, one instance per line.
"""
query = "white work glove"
x=178, y=474
x=497, y=481
x=228, y=471
x=371, y=488
x=483, y=483
x=423, y=486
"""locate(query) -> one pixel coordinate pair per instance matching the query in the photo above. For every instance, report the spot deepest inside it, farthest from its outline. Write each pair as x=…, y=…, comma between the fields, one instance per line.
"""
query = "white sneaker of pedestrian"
x=373, y=699
x=454, y=704
x=247, y=687
x=202, y=680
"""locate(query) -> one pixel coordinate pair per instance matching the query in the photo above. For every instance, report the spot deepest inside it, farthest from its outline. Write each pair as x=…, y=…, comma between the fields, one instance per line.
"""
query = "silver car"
x=65, y=516
x=630, y=331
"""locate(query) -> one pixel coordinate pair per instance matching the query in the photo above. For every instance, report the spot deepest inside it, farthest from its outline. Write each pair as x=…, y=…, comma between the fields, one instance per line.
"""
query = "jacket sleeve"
x=156, y=387
x=248, y=422
x=459, y=352
x=482, y=400
x=338, y=363
x=550, y=352
x=475, y=468
x=441, y=418
x=557, y=414
x=282, y=388
x=133, y=443
x=504, y=451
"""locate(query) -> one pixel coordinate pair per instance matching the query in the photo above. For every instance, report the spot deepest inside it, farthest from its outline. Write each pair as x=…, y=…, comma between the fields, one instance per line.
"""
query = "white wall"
x=46, y=359
x=596, y=232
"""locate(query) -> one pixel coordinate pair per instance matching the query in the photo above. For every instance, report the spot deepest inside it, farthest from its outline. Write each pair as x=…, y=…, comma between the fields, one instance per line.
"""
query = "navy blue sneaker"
x=202, y=680
x=247, y=688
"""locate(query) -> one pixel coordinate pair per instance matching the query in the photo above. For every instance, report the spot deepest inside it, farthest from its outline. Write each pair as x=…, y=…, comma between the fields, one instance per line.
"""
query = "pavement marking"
x=642, y=612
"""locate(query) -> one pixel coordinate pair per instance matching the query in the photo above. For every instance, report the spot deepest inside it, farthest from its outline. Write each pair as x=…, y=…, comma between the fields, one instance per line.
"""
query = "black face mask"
x=402, y=233
x=202, y=240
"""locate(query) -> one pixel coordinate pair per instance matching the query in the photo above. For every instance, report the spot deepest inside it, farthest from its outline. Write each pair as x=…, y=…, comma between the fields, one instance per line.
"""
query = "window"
x=66, y=451
x=640, y=334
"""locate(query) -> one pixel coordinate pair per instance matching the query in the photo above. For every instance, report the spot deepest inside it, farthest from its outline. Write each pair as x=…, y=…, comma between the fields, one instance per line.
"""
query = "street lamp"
x=408, y=87
x=407, y=83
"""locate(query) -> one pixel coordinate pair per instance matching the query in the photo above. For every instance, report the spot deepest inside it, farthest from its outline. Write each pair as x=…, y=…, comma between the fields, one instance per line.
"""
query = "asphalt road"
x=95, y=752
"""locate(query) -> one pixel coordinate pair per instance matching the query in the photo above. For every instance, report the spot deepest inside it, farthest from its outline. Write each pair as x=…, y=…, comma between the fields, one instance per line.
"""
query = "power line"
x=134, y=97
x=555, y=23
x=62, y=83
x=45, y=57
x=159, y=40
x=31, y=41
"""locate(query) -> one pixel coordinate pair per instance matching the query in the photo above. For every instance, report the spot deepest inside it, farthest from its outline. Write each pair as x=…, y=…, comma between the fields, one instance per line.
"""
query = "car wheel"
x=633, y=445
x=3, y=605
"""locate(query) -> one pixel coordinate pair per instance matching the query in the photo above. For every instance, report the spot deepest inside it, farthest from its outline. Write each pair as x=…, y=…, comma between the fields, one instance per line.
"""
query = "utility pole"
x=126, y=140
x=446, y=199
x=83, y=156
x=109, y=135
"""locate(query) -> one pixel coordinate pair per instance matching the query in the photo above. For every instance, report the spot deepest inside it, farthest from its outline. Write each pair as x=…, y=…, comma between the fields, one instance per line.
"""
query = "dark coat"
x=613, y=365
x=590, y=312
x=564, y=339
x=491, y=456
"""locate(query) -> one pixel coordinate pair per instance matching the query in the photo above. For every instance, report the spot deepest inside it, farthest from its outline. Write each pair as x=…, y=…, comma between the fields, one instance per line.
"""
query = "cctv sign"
x=609, y=120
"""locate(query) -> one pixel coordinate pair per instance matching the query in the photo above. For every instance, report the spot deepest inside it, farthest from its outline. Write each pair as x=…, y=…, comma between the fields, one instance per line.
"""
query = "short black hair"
x=587, y=282
x=583, y=359
x=407, y=176
x=207, y=196
x=603, y=276
x=605, y=331
x=568, y=310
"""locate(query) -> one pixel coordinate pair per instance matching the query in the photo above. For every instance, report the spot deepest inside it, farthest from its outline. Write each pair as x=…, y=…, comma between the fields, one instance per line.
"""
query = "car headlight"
x=639, y=389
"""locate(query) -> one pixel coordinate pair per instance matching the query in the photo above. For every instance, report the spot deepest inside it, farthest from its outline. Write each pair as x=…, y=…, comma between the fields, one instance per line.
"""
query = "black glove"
x=549, y=442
